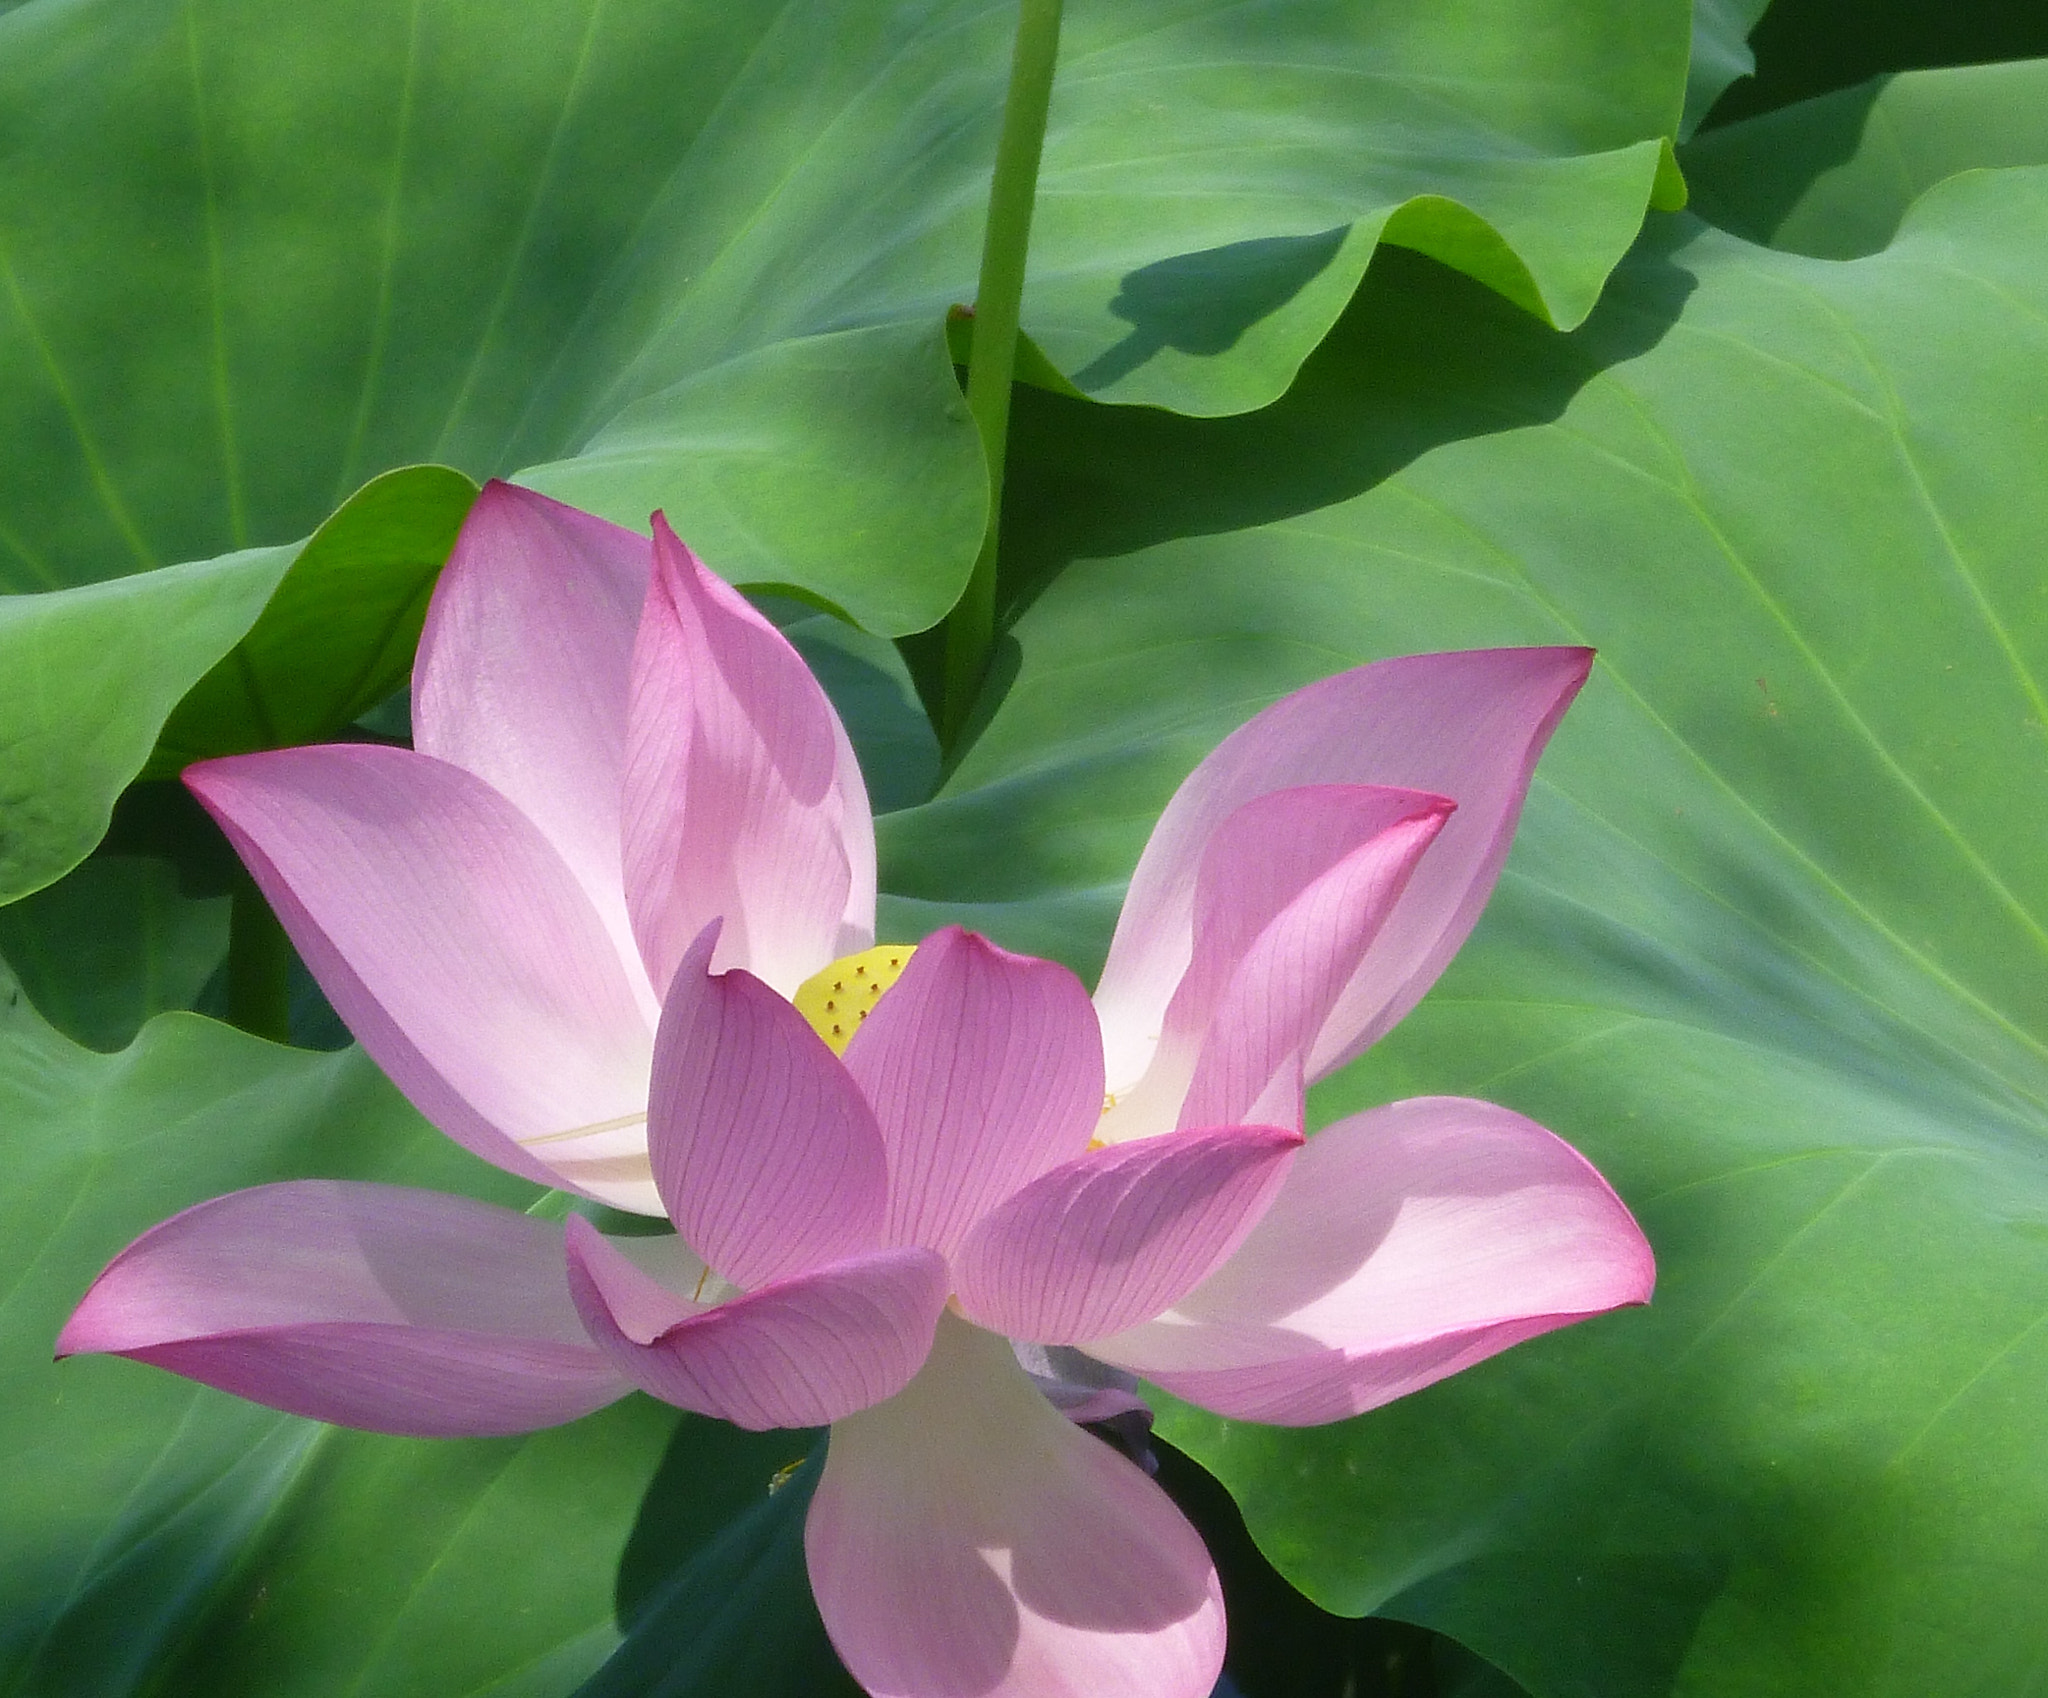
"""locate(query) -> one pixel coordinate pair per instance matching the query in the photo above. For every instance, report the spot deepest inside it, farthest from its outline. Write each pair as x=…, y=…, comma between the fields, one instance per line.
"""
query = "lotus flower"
x=884, y=1165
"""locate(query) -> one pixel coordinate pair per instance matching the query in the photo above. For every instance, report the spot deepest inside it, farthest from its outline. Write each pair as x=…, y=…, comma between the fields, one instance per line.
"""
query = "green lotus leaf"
x=140, y=675
x=1772, y=947
x=700, y=255
x=1834, y=176
x=338, y=633
x=87, y=678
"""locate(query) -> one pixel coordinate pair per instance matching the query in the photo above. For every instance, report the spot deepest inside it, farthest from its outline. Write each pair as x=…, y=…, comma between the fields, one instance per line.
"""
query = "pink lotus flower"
x=625, y=781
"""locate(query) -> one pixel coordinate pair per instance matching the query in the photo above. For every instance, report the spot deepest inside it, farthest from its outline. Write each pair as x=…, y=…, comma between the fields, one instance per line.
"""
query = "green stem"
x=259, y=965
x=992, y=352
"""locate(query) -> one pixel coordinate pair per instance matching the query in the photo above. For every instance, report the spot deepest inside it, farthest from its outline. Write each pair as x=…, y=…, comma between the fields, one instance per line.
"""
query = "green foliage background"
x=1357, y=329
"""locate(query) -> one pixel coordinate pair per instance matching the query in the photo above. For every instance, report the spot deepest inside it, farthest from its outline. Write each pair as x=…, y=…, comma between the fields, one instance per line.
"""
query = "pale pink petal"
x=459, y=949
x=1468, y=726
x=1117, y=1235
x=743, y=801
x=1408, y=1242
x=522, y=674
x=798, y=1353
x=984, y=1069
x=1292, y=889
x=967, y=1541
x=766, y=1155
x=368, y=1305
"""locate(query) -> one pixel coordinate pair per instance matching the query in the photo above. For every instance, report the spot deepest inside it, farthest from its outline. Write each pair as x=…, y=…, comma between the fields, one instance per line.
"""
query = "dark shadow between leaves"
x=1806, y=48
x=712, y=1593
x=1747, y=179
x=1423, y=357
x=1203, y=303
x=1282, y=1645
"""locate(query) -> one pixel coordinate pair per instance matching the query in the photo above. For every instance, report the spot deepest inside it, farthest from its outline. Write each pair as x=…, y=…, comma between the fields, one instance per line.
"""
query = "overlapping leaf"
x=1773, y=947
x=142, y=674
x=713, y=1595
x=87, y=678
x=1806, y=49
x=1833, y=177
x=337, y=635
x=1720, y=53
x=699, y=254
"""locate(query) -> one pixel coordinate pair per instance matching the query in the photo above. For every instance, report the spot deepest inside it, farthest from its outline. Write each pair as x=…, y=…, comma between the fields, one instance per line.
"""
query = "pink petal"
x=1468, y=726
x=966, y=1541
x=522, y=673
x=1292, y=889
x=797, y=1353
x=984, y=1069
x=743, y=799
x=459, y=949
x=369, y=1305
x=765, y=1153
x=1117, y=1235
x=1408, y=1242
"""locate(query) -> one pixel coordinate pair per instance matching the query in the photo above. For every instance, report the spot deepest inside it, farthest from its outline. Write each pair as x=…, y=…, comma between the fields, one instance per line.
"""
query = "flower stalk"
x=992, y=350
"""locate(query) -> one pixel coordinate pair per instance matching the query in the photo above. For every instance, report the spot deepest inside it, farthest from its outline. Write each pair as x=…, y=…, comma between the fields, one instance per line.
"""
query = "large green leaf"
x=87, y=677
x=1833, y=177
x=338, y=633
x=145, y=673
x=1772, y=947
x=699, y=253
x=160, y=1537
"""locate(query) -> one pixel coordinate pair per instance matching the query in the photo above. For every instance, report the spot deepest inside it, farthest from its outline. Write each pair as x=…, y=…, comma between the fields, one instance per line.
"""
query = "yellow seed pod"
x=837, y=1000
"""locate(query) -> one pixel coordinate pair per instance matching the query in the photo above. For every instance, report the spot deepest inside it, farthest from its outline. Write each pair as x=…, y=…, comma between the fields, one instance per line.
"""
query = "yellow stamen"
x=1108, y=1103
x=870, y=973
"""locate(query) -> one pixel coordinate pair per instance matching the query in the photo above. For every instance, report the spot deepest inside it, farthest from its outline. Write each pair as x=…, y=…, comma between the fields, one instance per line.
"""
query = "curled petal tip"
x=1466, y=725
x=741, y=794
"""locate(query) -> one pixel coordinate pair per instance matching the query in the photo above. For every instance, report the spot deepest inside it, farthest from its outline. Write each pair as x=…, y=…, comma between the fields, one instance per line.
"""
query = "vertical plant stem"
x=259, y=965
x=992, y=351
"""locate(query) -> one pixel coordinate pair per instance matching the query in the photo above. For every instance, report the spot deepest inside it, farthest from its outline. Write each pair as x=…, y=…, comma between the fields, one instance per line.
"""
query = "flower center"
x=837, y=1000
